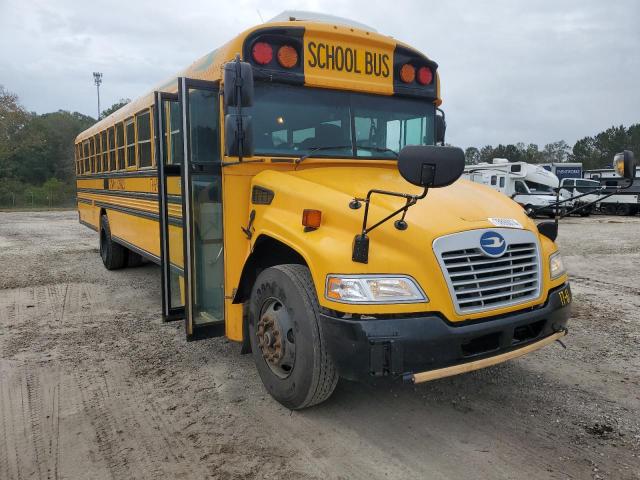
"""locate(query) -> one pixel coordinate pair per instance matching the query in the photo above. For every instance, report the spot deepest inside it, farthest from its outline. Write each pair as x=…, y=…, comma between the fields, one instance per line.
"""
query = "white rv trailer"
x=529, y=185
x=627, y=202
x=579, y=187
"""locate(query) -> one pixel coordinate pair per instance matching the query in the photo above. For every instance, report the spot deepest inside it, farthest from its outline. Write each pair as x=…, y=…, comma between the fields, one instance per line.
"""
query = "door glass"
x=203, y=120
x=207, y=273
x=170, y=209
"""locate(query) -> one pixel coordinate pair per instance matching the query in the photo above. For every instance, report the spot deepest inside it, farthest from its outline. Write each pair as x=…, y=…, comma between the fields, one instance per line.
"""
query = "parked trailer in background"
x=627, y=202
x=575, y=187
x=531, y=186
x=564, y=170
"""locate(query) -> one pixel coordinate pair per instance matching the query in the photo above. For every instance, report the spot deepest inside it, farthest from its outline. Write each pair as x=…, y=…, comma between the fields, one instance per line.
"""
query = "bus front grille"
x=479, y=283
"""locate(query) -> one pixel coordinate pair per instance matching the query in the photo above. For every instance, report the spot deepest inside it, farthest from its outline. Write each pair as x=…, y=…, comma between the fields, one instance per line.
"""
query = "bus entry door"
x=202, y=209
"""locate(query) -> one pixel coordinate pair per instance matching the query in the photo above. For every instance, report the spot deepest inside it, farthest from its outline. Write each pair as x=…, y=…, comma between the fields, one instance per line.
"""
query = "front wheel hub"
x=276, y=337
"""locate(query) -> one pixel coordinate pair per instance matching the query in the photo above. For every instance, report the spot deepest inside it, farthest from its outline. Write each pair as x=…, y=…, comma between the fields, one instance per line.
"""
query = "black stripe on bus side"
x=138, y=250
x=127, y=193
x=87, y=224
x=137, y=213
x=145, y=173
x=84, y=200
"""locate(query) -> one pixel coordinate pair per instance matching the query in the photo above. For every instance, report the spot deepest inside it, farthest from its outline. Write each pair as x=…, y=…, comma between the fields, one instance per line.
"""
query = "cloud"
x=532, y=71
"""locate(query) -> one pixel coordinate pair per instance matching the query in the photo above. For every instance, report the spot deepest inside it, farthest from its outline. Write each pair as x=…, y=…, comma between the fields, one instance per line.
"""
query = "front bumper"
x=365, y=349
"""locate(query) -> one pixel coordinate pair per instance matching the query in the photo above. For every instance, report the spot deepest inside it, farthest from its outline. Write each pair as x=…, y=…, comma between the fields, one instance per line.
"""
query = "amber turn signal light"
x=407, y=73
x=287, y=56
x=311, y=218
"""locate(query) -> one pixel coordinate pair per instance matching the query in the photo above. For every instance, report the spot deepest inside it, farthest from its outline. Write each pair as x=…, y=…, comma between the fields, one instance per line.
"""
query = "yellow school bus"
x=291, y=186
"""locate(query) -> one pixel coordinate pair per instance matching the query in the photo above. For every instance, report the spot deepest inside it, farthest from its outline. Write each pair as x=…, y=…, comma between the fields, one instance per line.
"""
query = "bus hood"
x=462, y=206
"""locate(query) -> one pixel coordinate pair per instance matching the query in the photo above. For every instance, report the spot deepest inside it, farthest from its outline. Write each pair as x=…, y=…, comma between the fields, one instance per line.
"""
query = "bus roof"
x=305, y=16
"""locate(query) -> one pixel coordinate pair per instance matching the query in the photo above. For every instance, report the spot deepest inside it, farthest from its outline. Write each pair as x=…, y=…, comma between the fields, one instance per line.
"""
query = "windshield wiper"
x=337, y=147
x=317, y=149
x=378, y=149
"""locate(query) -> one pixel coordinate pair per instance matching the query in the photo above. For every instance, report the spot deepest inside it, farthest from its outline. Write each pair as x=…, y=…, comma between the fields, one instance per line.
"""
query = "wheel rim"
x=276, y=337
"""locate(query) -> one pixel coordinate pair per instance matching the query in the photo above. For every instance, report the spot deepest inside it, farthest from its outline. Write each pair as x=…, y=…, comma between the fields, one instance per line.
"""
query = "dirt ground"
x=94, y=386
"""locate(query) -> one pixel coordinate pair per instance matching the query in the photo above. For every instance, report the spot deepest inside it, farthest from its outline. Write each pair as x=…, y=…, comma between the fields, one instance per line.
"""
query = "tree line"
x=592, y=152
x=37, y=165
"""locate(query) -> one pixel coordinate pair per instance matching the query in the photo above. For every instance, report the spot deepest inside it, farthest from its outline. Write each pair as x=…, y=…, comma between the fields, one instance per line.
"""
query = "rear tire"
x=286, y=338
x=134, y=259
x=113, y=254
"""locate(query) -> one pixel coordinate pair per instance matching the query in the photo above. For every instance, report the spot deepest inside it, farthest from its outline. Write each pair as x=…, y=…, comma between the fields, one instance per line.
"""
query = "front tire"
x=286, y=338
x=530, y=211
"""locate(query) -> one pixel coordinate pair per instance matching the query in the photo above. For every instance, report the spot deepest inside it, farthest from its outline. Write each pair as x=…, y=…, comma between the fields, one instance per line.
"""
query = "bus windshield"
x=295, y=121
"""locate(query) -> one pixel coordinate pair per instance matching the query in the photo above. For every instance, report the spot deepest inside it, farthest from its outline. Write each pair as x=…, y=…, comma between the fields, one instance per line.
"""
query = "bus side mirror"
x=238, y=84
x=441, y=128
x=429, y=166
x=238, y=135
x=625, y=164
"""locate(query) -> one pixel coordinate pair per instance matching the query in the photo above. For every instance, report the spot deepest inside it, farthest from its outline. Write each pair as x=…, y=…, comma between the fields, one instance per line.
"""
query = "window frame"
x=111, y=154
x=146, y=111
x=98, y=152
x=130, y=121
x=92, y=155
x=121, y=162
x=85, y=157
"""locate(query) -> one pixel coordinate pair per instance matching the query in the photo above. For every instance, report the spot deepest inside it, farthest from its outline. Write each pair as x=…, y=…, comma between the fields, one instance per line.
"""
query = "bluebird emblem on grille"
x=493, y=244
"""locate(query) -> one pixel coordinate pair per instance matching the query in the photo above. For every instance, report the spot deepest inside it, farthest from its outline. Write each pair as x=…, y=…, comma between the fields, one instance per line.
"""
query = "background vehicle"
x=625, y=202
x=297, y=204
x=564, y=170
x=572, y=187
x=531, y=186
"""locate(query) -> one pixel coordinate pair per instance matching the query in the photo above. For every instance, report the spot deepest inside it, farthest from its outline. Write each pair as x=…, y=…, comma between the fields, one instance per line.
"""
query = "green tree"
x=13, y=119
x=116, y=106
x=472, y=156
x=486, y=153
x=556, y=152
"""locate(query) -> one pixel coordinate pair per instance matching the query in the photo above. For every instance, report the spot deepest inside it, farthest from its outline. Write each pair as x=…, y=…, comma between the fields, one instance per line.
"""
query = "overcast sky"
x=530, y=71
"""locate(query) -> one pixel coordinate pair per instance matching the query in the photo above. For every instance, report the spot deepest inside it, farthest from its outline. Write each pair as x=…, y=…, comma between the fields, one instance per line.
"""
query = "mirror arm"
x=411, y=200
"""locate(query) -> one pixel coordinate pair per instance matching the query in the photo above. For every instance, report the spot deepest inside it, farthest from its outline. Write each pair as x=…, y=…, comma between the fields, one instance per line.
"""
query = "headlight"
x=556, y=266
x=367, y=289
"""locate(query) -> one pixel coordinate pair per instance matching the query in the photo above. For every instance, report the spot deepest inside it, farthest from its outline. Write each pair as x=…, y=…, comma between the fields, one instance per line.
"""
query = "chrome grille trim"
x=478, y=283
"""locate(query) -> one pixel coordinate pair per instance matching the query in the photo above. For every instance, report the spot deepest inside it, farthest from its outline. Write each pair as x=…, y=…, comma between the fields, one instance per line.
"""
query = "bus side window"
x=119, y=147
x=98, y=151
x=85, y=156
x=92, y=154
x=143, y=123
x=112, y=153
x=494, y=179
x=105, y=151
x=131, y=143
x=501, y=182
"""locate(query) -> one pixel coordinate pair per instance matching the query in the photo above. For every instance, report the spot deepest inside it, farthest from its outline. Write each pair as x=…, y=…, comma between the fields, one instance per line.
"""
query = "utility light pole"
x=97, y=79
